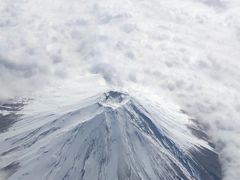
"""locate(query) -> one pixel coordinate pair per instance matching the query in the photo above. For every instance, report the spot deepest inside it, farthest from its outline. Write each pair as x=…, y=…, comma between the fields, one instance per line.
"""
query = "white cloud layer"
x=186, y=50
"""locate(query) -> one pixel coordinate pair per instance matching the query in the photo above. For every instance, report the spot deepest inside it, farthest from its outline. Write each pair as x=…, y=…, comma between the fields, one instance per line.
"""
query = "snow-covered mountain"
x=186, y=51
x=108, y=136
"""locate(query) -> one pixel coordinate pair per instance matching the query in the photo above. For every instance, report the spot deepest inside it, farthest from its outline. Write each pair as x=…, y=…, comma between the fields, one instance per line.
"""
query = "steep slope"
x=109, y=136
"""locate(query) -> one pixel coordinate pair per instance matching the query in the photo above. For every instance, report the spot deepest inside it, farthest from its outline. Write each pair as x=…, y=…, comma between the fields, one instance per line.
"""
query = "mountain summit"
x=109, y=136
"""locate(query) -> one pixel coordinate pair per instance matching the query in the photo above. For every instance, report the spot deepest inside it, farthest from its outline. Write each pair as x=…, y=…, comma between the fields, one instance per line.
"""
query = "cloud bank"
x=187, y=51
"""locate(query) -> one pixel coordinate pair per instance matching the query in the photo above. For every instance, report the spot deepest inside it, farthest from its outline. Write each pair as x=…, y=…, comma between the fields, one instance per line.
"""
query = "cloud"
x=187, y=51
x=213, y=3
x=108, y=72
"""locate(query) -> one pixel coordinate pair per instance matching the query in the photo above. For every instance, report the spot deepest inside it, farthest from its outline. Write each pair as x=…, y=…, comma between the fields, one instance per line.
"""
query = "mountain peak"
x=114, y=99
x=116, y=137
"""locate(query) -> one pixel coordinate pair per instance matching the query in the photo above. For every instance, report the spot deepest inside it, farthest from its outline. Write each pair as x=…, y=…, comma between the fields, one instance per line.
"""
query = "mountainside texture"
x=105, y=137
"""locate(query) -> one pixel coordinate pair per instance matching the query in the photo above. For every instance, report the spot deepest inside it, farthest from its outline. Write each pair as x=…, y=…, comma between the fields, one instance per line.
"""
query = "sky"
x=184, y=51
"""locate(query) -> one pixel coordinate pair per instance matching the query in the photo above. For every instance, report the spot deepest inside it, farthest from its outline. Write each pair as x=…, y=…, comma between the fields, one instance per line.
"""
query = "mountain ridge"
x=113, y=136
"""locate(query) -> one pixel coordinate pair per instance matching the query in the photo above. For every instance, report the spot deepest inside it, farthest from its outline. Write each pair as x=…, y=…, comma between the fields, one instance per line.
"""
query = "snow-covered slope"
x=185, y=50
x=108, y=136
